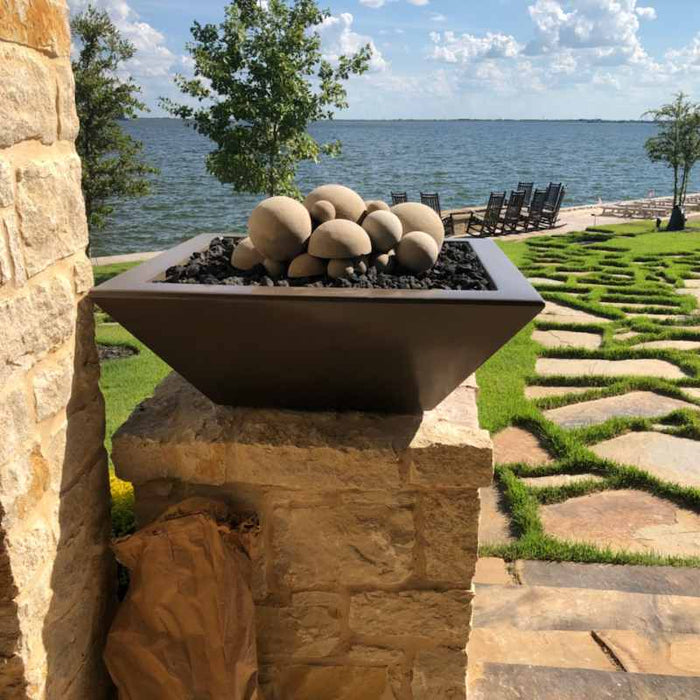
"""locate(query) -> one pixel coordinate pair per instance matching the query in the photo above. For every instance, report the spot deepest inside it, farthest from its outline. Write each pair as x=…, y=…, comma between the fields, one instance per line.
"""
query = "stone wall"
x=55, y=568
x=369, y=532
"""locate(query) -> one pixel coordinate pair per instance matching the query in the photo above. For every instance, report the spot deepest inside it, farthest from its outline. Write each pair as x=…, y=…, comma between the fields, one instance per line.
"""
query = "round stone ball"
x=348, y=204
x=417, y=251
x=322, y=211
x=274, y=268
x=344, y=267
x=384, y=228
x=384, y=262
x=306, y=265
x=376, y=205
x=419, y=217
x=279, y=227
x=245, y=255
x=339, y=239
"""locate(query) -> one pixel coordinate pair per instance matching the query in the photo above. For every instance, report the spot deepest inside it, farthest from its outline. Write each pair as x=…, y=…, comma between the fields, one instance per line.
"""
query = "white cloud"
x=686, y=59
x=451, y=48
x=374, y=4
x=338, y=38
x=437, y=17
x=419, y=3
x=646, y=12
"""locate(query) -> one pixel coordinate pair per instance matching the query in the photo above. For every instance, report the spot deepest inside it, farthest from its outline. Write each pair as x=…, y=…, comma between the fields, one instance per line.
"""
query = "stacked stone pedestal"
x=368, y=532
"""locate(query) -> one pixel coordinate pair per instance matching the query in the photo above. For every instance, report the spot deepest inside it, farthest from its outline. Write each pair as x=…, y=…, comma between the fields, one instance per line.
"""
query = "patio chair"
x=510, y=220
x=550, y=215
x=526, y=187
x=488, y=223
x=533, y=219
x=399, y=197
x=433, y=201
x=552, y=195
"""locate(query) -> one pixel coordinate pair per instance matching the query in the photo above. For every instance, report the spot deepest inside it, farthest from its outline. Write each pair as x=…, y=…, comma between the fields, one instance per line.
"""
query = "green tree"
x=112, y=163
x=260, y=80
x=677, y=144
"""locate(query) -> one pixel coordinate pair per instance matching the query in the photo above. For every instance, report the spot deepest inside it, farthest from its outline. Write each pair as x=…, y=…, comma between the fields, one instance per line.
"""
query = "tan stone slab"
x=567, y=339
x=541, y=392
x=180, y=434
x=692, y=391
x=491, y=570
x=551, y=366
x=557, y=313
x=662, y=654
x=635, y=404
x=523, y=682
x=626, y=336
x=544, y=608
x=545, y=281
x=671, y=458
x=692, y=283
x=620, y=304
x=690, y=292
x=559, y=480
x=517, y=445
x=494, y=524
x=632, y=520
x=670, y=345
x=653, y=317
x=563, y=649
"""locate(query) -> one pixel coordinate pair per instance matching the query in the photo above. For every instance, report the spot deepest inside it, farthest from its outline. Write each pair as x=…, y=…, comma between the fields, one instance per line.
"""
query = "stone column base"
x=363, y=578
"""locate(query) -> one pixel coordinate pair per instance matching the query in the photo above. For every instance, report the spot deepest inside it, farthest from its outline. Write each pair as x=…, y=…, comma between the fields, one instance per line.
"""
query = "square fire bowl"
x=398, y=351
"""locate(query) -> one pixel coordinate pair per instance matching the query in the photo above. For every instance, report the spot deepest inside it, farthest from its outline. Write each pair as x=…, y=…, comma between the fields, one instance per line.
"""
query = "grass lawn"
x=624, y=264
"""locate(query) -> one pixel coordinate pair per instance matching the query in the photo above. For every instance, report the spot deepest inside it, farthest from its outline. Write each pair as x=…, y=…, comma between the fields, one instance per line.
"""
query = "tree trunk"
x=677, y=220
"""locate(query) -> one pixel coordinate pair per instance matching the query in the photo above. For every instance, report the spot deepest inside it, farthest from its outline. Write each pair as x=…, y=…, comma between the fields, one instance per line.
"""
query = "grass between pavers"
x=653, y=264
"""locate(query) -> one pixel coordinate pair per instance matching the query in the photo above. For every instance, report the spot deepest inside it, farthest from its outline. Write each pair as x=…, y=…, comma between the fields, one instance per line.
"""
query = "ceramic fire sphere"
x=279, y=227
x=339, y=239
x=419, y=217
x=348, y=204
x=384, y=228
x=417, y=251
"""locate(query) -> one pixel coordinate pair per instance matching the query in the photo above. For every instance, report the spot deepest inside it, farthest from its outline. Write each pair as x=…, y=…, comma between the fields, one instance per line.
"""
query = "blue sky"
x=609, y=59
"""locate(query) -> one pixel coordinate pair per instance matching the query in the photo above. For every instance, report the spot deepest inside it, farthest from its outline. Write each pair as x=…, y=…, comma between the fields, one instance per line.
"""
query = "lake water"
x=461, y=160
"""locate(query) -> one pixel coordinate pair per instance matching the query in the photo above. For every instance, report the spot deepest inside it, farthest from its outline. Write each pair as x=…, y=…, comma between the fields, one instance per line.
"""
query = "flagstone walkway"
x=625, y=387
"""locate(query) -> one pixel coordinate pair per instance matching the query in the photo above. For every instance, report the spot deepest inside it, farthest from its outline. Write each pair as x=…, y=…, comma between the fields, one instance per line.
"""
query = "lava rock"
x=339, y=239
x=279, y=227
x=246, y=256
x=417, y=251
x=419, y=217
x=384, y=229
x=306, y=265
x=348, y=204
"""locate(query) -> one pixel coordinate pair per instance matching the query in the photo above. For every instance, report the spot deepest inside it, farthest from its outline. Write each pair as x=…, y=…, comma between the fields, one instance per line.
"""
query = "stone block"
x=360, y=655
x=83, y=276
x=353, y=544
x=34, y=323
x=7, y=177
x=28, y=105
x=426, y=616
x=51, y=210
x=440, y=673
x=51, y=383
x=327, y=683
x=11, y=258
x=68, y=125
x=17, y=427
x=309, y=627
x=449, y=535
x=39, y=24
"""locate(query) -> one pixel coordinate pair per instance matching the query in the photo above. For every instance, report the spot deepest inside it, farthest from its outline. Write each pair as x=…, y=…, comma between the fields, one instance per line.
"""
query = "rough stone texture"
x=669, y=457
x=56, y=571
x=547, y=367
x=567, y=339
x=494, y=525
x=369, y=531
x=559, y=480
x=557, y=313
x=517, y=445
x=633, y=520
x=670, y=345
x=662, y=654
x=636, y=404
x=542, y=392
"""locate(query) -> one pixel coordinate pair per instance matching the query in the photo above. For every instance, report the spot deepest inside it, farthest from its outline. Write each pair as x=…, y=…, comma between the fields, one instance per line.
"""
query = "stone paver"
x=636, y=404
x=557, y=313
x=692, y=283
x=567, y=339
x=549, y=366
x=663, y=654
x=671, y=458
x=627, y=335
x=545, y=281
x=633, y=305
x=559, y=479
x=692, y=391
x=653, y=317
x=517, y=445
x=626, y=519
x=494, y=526
x=492, y=571
x=541, y=392
x=670, y=345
